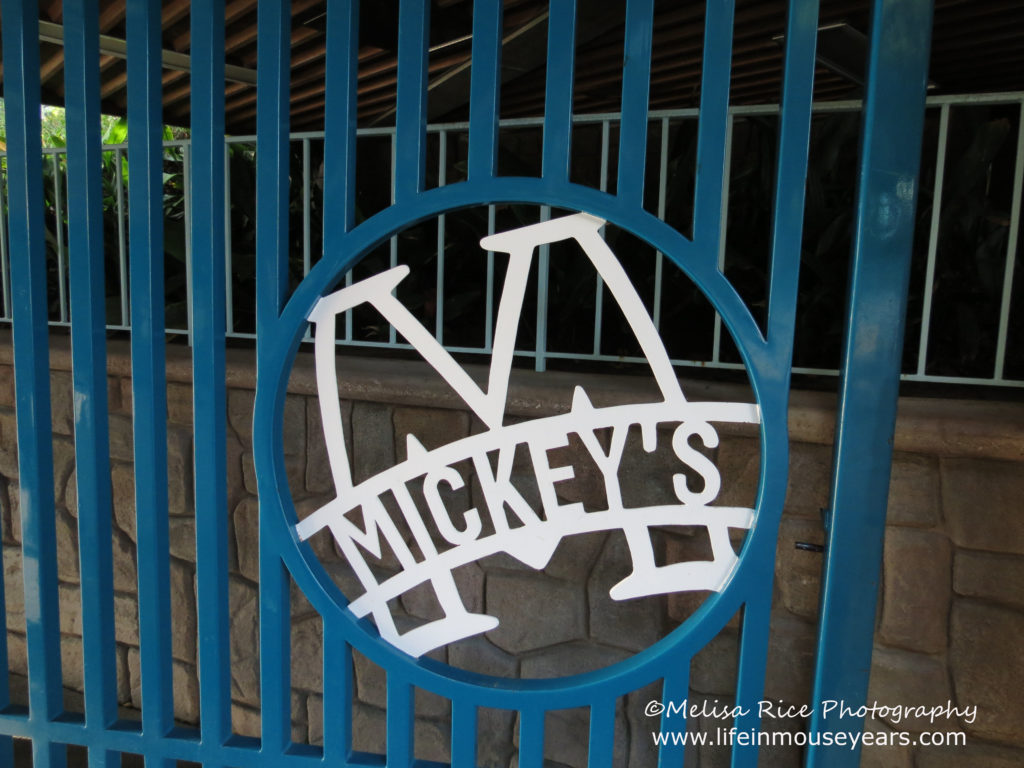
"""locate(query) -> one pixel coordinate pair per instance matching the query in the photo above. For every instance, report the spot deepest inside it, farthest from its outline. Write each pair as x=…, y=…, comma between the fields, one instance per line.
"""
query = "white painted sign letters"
x=536, y=533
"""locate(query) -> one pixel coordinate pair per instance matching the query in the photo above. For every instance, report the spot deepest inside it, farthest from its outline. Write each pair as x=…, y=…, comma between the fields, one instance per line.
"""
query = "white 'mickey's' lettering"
x=534, y=540
x=498, y=490
x=444, y=524
x=547, y=476
x=697, y=461
x=607, y=463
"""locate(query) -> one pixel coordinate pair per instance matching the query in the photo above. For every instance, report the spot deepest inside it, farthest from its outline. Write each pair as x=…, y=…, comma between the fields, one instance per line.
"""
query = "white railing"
x=540, y=353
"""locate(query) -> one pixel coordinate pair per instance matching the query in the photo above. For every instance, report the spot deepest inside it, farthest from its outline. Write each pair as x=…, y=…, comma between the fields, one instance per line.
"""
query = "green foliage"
x=113, y=131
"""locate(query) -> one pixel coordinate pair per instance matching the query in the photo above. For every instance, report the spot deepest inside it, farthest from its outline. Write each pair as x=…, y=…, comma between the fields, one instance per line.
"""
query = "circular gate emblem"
x=404, y=509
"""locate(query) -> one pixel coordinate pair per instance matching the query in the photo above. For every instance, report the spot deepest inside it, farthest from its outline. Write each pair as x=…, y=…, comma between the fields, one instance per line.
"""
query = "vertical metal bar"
x=659, y=257
x=399, y=723
x=411, y=108
x=599, y=288
x=543, y=255
x=340, y=194
x=489, y=297
x=89, y=366
x=716, y=344
x=531, y=738
x=58, y=205
x=933, y=239
x=272, y=93
x=305, y=207
x=340, y=127
x=675, y=688
x=485, y=88
x=869, y=377
x=464, y=725
x=5, y=280
x=787, y=231
x=714, y=112
x=558, y=91
x=186, y=177
x=442, y=162
x=229, y=282
x=1011, y=248
x=791, y=176
x=122, y=251
x=340, y=120
x=209, y=395
x=149, y=388
x=337, y=711
x=636, y=80
x=601, y=745
x=752, y=668
x=32, y=373
x=272, y=156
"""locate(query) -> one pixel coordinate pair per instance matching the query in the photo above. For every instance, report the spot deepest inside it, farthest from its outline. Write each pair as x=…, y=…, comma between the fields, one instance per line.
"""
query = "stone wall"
x=952, y=594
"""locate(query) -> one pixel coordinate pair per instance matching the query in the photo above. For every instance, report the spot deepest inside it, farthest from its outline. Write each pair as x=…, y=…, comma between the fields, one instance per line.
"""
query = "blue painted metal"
x=88, y=346
x=32, y=373
x=675, y=688
x=872, y=349
x=340, y=118
x=787, y=229
x=339, y=186
x=879, y=281
x=273, y=66
x=636, y=78
x=208, y=391
x=399, y=720
x=149, y=387
x=464, y=725
x=557, y=93
x=714, y=116
x=601, y=742
x=531, y=737
x=485, y=88
x=410, y=147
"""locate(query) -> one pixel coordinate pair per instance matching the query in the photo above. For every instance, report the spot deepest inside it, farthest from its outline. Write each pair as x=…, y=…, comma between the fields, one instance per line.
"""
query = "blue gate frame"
x=889, y=157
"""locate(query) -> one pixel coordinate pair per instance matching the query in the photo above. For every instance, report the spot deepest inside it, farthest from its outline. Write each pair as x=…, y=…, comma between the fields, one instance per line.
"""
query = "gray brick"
x=915, y=679
x=633, y=624
x=373, y=440
x=797, y=571
x=916, y=587
x=515, y=598
x=988, y=668
x=914, y=491
x=981, y=500
x=990, y=577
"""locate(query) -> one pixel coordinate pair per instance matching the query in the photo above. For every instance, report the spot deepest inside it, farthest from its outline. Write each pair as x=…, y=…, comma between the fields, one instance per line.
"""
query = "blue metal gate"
x=889, y=156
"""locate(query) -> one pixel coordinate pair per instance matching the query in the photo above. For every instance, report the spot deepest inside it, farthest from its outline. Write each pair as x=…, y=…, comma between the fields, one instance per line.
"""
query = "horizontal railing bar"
x=588, y=357
x=967, y=380
x=185, y=744
x=1007, y=97
x=846, y=105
